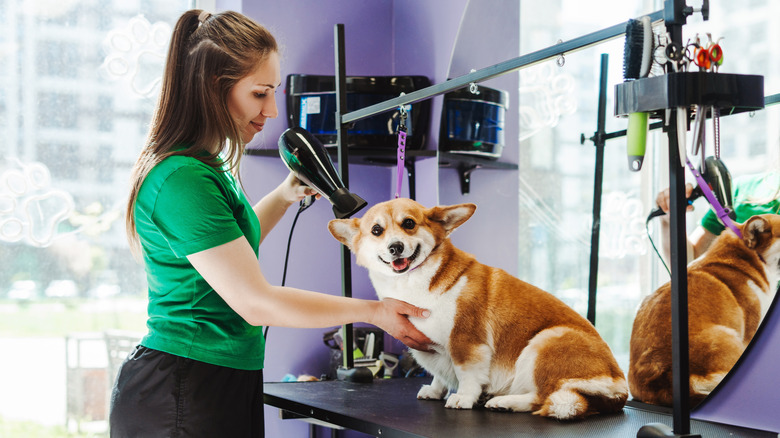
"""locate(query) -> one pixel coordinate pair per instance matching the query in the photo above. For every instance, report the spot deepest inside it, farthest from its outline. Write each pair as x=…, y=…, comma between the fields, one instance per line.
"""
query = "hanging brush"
x=638, y=50
x=637, y=60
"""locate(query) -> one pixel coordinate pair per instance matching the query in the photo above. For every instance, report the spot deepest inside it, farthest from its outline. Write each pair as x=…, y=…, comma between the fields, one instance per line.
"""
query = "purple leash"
x=722, y=213
x=401, y=152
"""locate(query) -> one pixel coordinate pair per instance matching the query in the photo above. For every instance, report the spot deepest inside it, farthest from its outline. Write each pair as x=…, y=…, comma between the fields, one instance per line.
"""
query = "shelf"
x=731, y=93
x=373, y=157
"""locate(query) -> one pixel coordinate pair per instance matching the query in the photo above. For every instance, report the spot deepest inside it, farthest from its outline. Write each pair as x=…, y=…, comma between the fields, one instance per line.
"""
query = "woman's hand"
x=294, y=190
x=699, y=240
x=392, y=317
x=662, y=200
x=272, y=207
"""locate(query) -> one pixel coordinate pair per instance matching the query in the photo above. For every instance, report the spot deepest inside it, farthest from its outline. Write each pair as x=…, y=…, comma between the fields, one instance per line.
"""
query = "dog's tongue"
x=400, y=264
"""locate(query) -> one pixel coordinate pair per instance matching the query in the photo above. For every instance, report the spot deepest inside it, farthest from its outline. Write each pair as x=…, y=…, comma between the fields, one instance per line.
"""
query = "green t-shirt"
x=747, y=189
x=185, y=206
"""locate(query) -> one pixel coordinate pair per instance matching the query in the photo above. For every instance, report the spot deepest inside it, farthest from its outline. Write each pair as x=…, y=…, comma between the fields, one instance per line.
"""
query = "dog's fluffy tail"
x=651, y=382
x=650, y=379
x=579, y=398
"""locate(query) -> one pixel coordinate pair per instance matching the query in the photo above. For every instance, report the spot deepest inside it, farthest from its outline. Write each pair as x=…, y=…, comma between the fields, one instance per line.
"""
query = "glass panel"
x=78, y=80
x=558, y=104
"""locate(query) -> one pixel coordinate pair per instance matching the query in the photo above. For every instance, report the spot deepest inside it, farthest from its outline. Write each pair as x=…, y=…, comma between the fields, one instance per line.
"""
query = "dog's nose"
x=396, y=248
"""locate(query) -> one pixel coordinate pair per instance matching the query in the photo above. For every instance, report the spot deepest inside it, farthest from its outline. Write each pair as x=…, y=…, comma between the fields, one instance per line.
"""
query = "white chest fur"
x=414, y=288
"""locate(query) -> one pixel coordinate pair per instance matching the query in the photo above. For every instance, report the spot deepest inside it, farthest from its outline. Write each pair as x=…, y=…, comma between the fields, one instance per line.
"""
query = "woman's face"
x=252, y=100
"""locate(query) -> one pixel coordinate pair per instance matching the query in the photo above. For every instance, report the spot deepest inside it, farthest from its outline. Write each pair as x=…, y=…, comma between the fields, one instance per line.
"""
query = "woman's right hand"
x=392, y=317
x=293, y=190
x=662, y=200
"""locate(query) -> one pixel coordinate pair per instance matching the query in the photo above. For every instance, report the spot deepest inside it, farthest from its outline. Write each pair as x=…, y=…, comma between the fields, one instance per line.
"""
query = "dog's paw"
x=459, y=401
x=493, y=405
x=511, y=403
x=428, y=392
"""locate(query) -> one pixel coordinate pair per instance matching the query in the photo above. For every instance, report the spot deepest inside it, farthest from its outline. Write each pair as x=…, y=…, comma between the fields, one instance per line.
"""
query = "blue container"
x=473, y=123
x=311, y=104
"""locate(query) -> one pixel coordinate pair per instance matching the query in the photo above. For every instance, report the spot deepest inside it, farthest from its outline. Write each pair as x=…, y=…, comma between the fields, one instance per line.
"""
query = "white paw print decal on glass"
x=545, y=96
x=622, y=226
x=30, y=209
x=136, y=54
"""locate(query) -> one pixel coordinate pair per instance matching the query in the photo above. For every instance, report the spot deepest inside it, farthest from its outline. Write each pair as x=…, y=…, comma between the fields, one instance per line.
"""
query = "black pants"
x=157, y=394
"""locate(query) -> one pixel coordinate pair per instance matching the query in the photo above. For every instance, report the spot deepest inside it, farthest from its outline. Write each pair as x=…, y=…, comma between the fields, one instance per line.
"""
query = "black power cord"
x=647, y=229
x=304, y=204
x=695, y=194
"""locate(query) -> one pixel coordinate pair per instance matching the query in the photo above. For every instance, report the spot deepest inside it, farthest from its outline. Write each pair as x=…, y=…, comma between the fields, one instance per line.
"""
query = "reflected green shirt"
x=185, y=206
x=746, y=189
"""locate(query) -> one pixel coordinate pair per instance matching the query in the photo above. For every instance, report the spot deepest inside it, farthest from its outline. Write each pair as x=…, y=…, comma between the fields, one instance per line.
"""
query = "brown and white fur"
x=729, y=290
x=496, y=337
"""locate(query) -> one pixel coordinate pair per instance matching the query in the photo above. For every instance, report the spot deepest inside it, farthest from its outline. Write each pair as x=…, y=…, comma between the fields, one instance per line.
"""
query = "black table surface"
x=389, y=408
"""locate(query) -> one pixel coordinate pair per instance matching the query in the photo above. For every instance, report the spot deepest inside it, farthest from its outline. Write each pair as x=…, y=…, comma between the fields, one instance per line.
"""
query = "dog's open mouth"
x=401, y=264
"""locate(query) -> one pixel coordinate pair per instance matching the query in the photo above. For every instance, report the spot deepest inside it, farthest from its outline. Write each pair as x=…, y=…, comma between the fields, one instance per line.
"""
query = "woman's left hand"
x=392, y=317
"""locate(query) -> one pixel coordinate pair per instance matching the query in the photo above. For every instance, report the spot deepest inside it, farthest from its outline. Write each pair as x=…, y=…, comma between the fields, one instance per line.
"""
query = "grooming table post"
x=348, y=372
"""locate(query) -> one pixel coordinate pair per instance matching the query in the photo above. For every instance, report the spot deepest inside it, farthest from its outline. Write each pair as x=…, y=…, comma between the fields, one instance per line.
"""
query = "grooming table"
x=389, y=408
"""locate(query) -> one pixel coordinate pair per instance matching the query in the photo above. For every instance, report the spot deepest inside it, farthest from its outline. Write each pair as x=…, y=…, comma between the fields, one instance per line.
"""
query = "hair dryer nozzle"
x=307, y=158
x=345, y=204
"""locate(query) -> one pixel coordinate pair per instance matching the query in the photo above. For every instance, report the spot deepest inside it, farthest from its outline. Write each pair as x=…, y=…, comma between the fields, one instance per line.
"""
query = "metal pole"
x=343, y=164
x=675, y=19
x=599, y=142
x=679, y=284
x=499, y=69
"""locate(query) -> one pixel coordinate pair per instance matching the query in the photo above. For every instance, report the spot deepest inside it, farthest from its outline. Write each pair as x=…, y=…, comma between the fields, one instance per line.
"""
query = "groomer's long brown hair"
x=208, y=54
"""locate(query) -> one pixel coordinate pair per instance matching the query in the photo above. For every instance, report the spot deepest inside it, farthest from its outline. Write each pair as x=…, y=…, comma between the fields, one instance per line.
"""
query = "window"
x=71, y=130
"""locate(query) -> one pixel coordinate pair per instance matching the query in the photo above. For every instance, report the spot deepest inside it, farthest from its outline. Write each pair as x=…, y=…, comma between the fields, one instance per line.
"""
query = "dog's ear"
x=753, y=229
x=344, y=230
x=452, y=216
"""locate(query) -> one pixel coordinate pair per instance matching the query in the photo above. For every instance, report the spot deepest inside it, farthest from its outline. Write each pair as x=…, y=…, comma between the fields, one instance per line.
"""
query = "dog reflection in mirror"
x=729, y=290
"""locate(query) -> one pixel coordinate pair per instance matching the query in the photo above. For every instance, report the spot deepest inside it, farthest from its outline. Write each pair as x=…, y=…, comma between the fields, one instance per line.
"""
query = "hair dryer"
x=718, y=180
x=305, y=156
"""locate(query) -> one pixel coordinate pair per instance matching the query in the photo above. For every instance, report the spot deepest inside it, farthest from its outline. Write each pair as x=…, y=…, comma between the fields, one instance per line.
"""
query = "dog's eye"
x=409, y=224
x=376, y=230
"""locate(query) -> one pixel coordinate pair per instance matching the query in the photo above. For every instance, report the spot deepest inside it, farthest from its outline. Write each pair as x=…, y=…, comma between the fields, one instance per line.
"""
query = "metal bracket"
x=464, y=170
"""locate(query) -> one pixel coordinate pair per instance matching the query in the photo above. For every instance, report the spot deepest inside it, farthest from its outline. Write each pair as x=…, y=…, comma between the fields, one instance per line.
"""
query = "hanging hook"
x=561, y=59
x=473, y=88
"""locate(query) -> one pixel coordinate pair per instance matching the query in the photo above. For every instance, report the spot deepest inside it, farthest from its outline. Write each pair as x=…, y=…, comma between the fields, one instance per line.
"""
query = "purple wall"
x=488, y=37
x=382, y=38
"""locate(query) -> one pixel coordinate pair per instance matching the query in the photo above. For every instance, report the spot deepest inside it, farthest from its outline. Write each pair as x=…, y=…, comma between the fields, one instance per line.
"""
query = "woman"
x=753, y=194
x=198, y=372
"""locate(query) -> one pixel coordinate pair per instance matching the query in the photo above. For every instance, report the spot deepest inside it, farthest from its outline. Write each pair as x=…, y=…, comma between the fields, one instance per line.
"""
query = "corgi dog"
x=497, y=340
x=730, y=288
